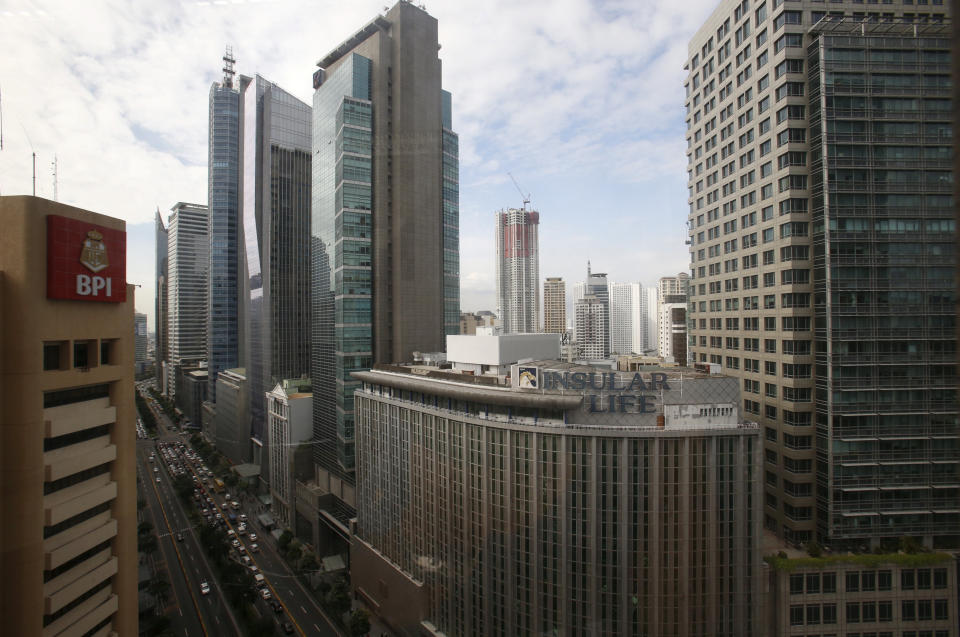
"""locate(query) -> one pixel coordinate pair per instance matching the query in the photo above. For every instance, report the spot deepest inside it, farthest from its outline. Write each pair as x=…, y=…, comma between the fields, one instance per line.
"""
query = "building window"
x=83, y=354
x=107, y=352
x=54, y=355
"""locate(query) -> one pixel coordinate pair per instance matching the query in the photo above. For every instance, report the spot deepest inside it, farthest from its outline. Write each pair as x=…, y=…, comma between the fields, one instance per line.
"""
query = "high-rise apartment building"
x=223, y=188
x=188, y=248
x=139, y=337
x=590, y=326
x=643, y=314
x=559, y=511
x=68, y=486
x=672, y=318
x=518, y=269
x=621, y=318
x=555, y=305
x=275, y=185
x=822, y=254
x=160, y=318
x=385, y=251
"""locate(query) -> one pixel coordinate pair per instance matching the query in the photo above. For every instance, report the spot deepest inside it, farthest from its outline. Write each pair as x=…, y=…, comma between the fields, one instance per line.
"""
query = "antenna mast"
x=525, y=197
x=54, y=164
x=34, y=174
x=228, y=71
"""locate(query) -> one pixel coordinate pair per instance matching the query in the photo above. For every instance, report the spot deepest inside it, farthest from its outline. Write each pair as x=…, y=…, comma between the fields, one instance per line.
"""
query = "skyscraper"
x=68, y=492
x=160, y=320
x=672, y=318
x=822, y=247
x=554, y=305
x=276, y=183
x=621, y=318
x=596, y=285
x=223, y=176
x=188, y=249
x=385, y=252
x=518, y=269
x=139, y=337
x=590, y=326
x=643, y=313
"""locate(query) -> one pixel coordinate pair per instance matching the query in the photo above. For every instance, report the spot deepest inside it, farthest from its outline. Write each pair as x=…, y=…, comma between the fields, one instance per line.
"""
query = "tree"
x=147, y=544
x=309, y=562
x=293, y=553
x=144, y=528
x=339, y=599
x=159, y=587
x=359, y=623
x=285, y=538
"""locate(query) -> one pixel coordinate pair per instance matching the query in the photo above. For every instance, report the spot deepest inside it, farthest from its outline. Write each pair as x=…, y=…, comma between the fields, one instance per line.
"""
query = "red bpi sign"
x=85, y=262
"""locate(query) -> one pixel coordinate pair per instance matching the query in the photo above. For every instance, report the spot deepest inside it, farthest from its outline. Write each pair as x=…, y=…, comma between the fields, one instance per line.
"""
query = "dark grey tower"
x=385, y=223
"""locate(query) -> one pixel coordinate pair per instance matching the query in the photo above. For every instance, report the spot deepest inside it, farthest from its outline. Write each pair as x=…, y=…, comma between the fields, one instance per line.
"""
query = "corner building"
x=822, y=257
x=68, y=485
x=385, y=225
x=602, y=503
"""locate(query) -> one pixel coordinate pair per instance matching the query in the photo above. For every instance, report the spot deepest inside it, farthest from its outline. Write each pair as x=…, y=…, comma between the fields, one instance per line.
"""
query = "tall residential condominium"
x=621, y=318
x=672, y=318
x=596, y=286
x=822, y=256
x=160, y=319
x=518, y=269
x=385, y=219
x=223, y=192
x=68, y=491
x=632, y=509
x=275, y=186
x=590, y=326
x=555, y=305
x=643, y=314
x=139, y=337
x=187, y=265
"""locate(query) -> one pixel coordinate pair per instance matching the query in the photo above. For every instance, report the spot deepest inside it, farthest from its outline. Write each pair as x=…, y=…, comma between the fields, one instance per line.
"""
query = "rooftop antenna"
x=525, y=197
x=54, y=165
x=228, y=71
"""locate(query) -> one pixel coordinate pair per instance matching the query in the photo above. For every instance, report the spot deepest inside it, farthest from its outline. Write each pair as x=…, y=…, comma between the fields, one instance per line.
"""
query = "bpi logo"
x=79, y=263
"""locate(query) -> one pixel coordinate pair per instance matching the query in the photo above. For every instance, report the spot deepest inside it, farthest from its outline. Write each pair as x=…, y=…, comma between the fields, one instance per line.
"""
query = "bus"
x=218, y=485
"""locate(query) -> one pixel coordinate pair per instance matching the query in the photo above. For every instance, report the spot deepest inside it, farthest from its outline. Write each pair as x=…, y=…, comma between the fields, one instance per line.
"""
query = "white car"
x=253, y=537
x=235, y=544
x=204, y=588
x=265, y=593
x=254, y=548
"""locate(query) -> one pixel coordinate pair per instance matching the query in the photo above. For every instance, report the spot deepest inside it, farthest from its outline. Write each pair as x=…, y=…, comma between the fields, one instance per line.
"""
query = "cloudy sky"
x=582, y=101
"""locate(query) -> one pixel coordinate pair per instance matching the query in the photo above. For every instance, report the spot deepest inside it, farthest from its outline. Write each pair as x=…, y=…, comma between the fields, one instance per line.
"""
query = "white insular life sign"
x=92, y=285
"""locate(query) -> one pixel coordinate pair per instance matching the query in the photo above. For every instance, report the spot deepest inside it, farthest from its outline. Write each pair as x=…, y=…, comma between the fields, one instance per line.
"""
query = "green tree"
x=144, y=527
x=339, y=598
x=285, y=538
x=308, y=562
x=293, y=553
x=147, y=544
x=159, y=587
x=359, y=623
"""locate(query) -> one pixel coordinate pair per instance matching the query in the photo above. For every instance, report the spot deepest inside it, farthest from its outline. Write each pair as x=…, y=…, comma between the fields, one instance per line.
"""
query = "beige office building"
x=822, y=257
x=555, y=305
x=68, y=553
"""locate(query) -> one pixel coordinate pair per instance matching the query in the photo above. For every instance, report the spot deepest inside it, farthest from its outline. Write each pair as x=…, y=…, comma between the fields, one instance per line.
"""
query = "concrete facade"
x=289, y=424
x=554, y=305
x=517, y=262
x=493, y=354
x=67, y=440
x=232, y=416
x=488, y=509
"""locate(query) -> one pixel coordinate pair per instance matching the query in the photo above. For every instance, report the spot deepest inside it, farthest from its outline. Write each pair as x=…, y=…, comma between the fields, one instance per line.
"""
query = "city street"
x=211, y=614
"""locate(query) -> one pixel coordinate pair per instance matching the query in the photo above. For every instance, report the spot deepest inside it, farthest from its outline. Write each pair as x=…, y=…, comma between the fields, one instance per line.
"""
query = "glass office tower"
x=276, y=186
x=385, y=228
x=223, y=177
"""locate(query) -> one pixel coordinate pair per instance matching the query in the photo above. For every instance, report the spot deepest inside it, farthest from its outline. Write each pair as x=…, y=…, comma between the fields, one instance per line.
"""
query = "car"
x=156, y=470
x=235, y=504
x=241, y=549
x=235, y=543
x=254, y=548
x=243, y=517
x=204, y=588
x=231, y=533
x=179, y=536
x=252, y=537
x=265, y=594
x=288, y=628
x=158, y=479
x=277, y=606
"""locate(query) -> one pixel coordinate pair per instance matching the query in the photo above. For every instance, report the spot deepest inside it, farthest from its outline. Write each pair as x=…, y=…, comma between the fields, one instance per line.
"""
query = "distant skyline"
x=581, y=101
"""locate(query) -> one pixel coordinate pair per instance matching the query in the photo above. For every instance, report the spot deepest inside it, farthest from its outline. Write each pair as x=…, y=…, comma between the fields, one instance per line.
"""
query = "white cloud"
x=555, y=91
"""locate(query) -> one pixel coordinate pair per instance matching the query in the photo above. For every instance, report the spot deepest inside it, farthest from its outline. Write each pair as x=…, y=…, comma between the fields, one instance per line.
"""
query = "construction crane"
x=525, y=197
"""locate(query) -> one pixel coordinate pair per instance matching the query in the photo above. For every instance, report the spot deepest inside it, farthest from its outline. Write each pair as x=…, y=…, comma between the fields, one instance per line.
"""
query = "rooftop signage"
x=85, y=261
x=604, y=392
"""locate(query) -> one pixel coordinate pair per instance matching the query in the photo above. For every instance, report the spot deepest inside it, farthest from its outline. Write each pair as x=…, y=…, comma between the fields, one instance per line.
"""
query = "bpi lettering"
x=91, y=285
